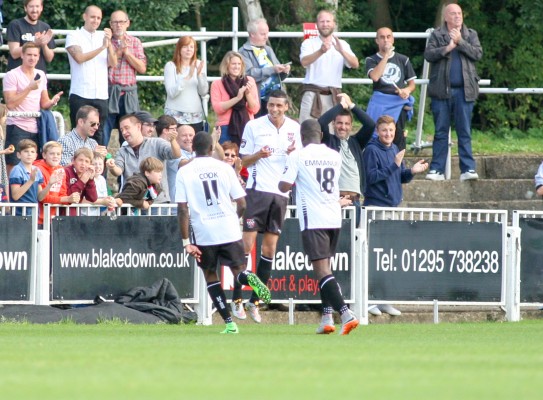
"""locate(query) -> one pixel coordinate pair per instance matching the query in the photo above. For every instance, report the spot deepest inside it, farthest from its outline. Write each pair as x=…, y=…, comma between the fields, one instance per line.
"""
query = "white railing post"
x=235, y=28
x=512, y=274
x=422, y=100
x=203, y=306
x=42, y=269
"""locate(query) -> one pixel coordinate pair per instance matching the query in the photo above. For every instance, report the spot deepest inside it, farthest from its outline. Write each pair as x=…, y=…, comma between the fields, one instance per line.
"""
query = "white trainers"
x=326, y=326
x=469, y=175
x=374, y=310
x=237, y=309
x=387, y=308
x=434, y=175
x=349, y=322
x=252, y=310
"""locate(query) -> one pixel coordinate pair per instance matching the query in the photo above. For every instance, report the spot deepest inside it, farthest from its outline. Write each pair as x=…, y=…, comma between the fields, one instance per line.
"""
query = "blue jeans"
x=112, y=122
x=456, y=109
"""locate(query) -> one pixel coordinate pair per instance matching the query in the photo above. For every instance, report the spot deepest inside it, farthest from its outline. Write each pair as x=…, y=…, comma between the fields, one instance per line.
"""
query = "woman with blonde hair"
x=186, y=82
x=234, y=98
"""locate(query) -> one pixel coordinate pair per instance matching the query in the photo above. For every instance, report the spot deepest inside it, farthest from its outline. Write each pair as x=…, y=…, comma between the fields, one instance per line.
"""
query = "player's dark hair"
x=202, y=144
x=310, y=131
x=279, y=94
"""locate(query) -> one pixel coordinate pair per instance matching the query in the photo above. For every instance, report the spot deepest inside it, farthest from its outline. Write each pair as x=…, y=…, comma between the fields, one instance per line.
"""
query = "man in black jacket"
x=453, y=50
x=351, y=178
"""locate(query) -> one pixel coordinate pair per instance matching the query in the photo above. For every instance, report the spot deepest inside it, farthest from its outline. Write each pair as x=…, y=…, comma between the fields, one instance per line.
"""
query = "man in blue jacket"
x=384, y=168
x=385, y=173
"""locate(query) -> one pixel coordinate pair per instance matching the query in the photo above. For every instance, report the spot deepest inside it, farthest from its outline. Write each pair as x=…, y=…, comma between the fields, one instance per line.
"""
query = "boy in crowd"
x=385, y=172
x=51, y=169
x=141, y=189
x=102, y=191
x=80, y=177
x=384, y=168
x=25, y=180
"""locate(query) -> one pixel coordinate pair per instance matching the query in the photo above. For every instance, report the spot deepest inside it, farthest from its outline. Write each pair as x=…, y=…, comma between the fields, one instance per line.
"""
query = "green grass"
x=397, y=361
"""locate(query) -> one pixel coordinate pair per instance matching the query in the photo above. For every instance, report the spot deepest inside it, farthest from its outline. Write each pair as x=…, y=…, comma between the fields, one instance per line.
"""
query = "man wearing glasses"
x=131, y=60
x=88, y=122
x=90, y=52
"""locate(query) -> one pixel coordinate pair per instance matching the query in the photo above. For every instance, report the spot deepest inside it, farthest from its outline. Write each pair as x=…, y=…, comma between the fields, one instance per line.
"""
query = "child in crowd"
x=102, y=191
x=25, y=180
x=142, y=188
x=384, y=168
x=50, y=168
x=80, y=177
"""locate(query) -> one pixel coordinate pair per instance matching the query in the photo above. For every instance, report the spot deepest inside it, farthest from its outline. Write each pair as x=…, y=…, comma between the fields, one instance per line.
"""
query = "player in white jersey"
x=208, y=187
x=265, y=145
x=315, y=170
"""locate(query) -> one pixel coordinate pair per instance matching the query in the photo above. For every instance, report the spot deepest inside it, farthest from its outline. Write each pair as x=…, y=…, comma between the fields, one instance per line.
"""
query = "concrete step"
x=492, y=167
x=410, y=314
x=481, y=190
x=509, y=205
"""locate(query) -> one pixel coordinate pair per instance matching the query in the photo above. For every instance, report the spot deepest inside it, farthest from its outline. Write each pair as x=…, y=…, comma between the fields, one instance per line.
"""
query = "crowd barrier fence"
x=396, y=256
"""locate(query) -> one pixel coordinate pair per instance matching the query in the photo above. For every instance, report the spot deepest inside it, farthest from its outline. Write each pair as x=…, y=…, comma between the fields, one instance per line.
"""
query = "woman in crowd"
x=234, y=98
x=231, y=157
x=186, y=83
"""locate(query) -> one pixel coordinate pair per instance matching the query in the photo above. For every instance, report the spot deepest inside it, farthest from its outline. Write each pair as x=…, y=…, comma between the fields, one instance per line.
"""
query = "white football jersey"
x=265, y=174
x=209, y=186
x=315, y=171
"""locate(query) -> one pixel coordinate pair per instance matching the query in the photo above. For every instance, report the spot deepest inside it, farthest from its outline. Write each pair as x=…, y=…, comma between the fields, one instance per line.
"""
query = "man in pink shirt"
x=25, y=90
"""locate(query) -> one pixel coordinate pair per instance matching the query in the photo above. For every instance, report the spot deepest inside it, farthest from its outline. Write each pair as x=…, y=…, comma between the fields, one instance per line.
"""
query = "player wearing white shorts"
x=265, y=145
x=208, y=187
x=315, y=170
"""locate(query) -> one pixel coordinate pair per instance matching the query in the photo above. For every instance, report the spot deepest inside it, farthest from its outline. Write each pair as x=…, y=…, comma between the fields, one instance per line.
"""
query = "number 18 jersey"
x=315, y=171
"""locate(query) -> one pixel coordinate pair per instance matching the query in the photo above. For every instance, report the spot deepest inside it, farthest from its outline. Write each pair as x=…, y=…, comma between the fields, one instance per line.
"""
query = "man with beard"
x=90, y=52
x=350, y=147
x=30, y=29
x=323, y=57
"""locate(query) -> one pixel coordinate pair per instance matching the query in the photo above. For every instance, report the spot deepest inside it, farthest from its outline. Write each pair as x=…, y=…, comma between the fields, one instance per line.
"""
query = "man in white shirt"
x=208, y=187
x=323, y=57
x=265, y=144
x=90, y=52
x=315, y=169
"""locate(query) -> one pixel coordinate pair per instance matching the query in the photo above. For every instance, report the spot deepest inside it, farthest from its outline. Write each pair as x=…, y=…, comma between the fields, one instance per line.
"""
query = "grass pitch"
x=397, y=361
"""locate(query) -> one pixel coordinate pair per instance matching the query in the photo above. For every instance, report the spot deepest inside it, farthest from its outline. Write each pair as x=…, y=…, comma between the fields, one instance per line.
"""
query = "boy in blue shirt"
x=25, y=180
